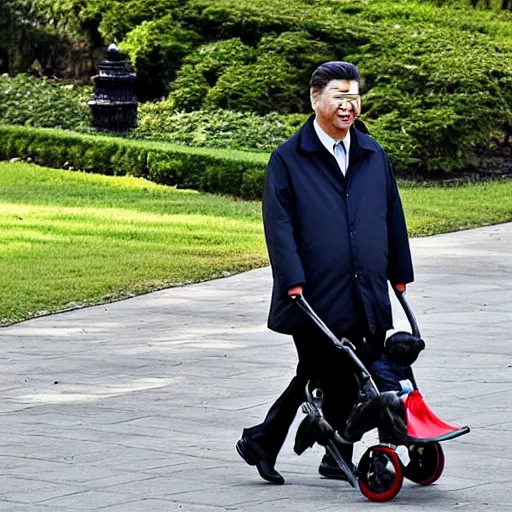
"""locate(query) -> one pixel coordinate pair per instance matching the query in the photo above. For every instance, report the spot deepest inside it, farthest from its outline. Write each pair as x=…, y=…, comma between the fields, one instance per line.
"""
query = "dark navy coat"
x=387, y=374
x=340, y=237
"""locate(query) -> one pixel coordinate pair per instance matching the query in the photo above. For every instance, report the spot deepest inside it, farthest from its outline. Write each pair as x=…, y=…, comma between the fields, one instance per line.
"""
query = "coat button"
x=353, y=233
x=356, y=275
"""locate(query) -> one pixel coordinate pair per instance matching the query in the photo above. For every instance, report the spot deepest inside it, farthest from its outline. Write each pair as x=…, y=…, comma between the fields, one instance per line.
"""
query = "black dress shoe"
x=265, y=467
x=329, y=469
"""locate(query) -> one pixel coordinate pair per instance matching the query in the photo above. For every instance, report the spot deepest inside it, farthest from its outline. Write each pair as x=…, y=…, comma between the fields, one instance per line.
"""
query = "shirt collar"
x=328, y=141
x=309, y=141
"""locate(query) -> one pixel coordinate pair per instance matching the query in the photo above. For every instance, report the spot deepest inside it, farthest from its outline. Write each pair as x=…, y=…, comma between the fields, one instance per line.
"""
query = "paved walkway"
x=136, y=406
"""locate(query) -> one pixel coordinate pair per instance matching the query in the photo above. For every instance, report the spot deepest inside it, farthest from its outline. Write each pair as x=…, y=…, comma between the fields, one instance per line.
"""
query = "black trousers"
x=326, y=367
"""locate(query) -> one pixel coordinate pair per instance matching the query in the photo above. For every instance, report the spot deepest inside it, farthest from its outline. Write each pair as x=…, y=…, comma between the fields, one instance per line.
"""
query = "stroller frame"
x=380, y=471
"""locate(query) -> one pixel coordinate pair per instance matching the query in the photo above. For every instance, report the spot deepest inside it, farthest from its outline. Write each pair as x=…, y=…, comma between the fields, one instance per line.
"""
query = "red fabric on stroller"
x=423, y=425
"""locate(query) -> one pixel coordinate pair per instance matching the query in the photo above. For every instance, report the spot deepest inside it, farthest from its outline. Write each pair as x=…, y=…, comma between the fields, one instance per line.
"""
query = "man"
x=336, y=233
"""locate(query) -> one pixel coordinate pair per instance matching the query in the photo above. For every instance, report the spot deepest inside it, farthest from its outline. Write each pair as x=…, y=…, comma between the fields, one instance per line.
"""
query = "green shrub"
x=74, y=153
x=252, y=183
x=212, y=58
x=444, y=91
x=156, y=49
x=218, y=176
x=438, y=80
x=115, y=18
x=231, y=75
x=30, y=101
x=127, y=160
x=164, y=168
x=267, y=85
x=207, y=170
x=39, y=36
x=98, y=159
x=247, y=20
x=302, y=51
x=42, y=150
x=201, y=71
x=189, y=89
x=18, y=147
x=216, y=129
x=14, y=147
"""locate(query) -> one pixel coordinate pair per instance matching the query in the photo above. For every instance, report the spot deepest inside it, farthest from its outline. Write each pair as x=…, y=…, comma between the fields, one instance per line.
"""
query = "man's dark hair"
x=333, y=70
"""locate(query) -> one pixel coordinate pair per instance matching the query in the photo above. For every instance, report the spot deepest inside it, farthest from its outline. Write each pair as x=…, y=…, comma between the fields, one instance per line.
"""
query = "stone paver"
x=136, y=406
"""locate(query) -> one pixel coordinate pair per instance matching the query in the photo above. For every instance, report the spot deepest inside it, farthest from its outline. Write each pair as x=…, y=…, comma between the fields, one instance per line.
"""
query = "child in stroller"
x=390, y=401
x=393, y=370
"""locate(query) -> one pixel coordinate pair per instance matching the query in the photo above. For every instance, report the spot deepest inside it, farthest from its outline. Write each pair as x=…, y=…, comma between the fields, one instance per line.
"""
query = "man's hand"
x=296, y=290
x=400, y=287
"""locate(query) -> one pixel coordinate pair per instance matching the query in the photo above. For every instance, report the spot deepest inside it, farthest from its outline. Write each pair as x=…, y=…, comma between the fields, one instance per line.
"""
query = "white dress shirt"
x=329, y=143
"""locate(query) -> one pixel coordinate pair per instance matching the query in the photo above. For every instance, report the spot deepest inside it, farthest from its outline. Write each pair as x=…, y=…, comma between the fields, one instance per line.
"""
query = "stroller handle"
x=408, y=312
x=343, y=344
x=303, y=304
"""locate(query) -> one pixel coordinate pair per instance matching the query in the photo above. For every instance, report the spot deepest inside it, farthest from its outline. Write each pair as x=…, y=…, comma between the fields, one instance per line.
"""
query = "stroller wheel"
x=380, y=473
x=426, y=463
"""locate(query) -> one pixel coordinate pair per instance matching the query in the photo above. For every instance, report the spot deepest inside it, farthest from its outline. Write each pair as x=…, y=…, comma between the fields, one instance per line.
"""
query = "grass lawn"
x=69, y=239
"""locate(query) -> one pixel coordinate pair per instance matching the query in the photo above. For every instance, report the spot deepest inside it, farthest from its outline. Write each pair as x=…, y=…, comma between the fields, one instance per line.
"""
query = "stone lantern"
x=114, y=107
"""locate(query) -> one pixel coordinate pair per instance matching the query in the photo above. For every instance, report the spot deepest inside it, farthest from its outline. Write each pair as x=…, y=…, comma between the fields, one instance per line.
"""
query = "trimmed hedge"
x=236, y=173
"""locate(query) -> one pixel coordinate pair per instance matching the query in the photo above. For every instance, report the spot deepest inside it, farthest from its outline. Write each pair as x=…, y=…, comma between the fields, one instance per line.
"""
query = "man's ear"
x=314, y=96
x=359, y=107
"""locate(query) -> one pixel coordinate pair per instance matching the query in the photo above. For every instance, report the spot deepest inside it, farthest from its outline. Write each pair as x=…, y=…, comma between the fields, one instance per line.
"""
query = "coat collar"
x=310, y=142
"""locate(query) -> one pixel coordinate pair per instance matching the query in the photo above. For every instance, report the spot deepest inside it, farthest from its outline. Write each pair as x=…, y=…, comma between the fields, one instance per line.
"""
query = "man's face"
x=337, y=106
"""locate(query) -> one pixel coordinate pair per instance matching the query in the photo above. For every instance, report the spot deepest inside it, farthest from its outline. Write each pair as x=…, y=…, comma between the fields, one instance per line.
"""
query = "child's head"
x=403, y=348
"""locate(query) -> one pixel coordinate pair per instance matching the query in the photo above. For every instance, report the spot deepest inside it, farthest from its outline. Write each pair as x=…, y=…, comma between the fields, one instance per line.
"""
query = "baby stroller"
x=402, y=418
